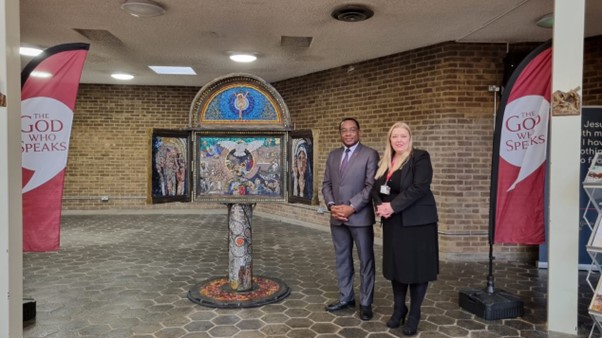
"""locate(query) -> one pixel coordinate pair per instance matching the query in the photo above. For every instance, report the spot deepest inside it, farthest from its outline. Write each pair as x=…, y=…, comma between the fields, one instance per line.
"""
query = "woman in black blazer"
x=403, y=199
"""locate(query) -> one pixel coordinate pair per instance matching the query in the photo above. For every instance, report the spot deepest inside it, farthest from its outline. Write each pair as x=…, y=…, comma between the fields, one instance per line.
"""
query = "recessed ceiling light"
x=243, y=57
x=122, y=76
x=170, y=70
x=42, y=75
x=143, y=8
x=30, y=51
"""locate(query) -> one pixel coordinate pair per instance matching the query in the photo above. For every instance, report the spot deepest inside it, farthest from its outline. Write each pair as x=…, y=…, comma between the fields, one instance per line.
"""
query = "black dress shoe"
x=409, y=331
x=398, y=317
x=411, y=327
x=366, y=312
x=395, y=321
x=340, y=306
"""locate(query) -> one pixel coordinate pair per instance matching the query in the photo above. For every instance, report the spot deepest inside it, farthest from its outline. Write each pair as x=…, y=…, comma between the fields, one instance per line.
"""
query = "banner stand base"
x=29, y=309
x=491, y=306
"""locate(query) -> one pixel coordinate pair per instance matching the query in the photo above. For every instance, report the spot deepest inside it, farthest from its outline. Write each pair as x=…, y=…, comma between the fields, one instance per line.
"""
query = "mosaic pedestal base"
x=216, y=292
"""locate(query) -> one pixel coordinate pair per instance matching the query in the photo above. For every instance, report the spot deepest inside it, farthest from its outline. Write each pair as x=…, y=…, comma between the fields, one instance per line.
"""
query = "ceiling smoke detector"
x=143, y=8
x=352, y=13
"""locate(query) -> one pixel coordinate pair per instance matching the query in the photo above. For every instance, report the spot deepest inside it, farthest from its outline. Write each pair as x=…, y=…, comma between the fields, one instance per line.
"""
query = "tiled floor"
x=129, y=275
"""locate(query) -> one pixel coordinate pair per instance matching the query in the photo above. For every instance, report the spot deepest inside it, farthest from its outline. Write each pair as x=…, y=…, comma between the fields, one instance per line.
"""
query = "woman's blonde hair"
x=385, y=162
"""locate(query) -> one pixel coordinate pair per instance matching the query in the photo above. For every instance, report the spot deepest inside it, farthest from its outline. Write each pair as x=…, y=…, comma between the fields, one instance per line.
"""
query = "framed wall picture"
x=170, y=169
x=240, y=167
x=302, y=155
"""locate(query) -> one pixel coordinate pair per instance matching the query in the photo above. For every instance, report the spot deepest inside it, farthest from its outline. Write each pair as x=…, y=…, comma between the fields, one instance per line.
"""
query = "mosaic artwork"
x=240, y=266
x=240, y=146
x=239, y=102
x=240, y=167
x=170, y=166
x=216, y=292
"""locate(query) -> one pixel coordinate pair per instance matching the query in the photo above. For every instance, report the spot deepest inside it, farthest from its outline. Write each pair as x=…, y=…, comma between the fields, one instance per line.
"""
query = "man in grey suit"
x=348, y=179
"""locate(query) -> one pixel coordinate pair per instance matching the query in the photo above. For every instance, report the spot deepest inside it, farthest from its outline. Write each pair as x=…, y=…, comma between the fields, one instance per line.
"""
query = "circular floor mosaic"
x=216, y=292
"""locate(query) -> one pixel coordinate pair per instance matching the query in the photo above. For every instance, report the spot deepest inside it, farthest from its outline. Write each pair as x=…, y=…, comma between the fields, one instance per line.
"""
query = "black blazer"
x=415, y=201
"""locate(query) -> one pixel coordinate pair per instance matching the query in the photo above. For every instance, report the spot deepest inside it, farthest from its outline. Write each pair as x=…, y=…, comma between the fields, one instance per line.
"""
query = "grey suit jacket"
x=353, y=188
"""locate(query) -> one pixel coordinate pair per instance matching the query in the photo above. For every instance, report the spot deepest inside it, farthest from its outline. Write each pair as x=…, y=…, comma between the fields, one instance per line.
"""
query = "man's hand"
x=341, y=212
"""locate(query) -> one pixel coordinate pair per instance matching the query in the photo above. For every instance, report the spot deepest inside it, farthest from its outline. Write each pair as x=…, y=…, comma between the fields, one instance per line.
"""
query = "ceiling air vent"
x=352, y=13
x=99, y=35
x=296, y=41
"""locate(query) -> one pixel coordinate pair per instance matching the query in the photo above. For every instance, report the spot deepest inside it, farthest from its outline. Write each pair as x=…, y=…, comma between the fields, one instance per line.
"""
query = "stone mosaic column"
x=240, y=267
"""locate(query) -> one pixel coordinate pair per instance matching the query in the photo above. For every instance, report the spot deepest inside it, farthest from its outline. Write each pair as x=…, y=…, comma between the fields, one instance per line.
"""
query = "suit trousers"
x=344, y=237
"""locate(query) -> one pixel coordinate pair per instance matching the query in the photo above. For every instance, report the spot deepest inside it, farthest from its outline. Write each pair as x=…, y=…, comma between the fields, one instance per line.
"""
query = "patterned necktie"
x=345, y=162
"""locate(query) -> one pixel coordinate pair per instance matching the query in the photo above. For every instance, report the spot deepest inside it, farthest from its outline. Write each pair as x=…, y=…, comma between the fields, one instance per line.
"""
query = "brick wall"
x=109, y=150
x=440, y=90
x=592, y=72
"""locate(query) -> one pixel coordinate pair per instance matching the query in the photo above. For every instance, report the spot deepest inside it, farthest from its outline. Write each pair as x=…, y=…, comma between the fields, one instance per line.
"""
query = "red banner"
x=519, y=156
x=49, y=85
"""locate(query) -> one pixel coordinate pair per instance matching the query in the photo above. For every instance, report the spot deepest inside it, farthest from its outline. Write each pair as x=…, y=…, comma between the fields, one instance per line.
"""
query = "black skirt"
x=410, y=253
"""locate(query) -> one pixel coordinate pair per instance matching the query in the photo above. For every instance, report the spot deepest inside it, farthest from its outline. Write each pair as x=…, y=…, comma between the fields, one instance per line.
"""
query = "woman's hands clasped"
x=384, y=210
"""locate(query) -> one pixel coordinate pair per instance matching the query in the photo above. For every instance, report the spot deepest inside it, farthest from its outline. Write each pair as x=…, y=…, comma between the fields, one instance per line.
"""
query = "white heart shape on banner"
x=524, y=134
x=45, y=131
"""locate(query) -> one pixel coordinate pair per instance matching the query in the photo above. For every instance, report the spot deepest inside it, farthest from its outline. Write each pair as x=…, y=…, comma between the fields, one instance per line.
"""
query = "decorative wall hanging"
x=302, y=154
x=170, y=167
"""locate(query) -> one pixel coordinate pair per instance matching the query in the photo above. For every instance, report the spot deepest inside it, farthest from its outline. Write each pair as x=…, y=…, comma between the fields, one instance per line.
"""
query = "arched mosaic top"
x=239, y=102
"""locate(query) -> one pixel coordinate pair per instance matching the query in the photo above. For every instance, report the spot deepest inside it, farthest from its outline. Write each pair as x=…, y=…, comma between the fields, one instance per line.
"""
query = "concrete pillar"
x=11, y=235
x=565, y=136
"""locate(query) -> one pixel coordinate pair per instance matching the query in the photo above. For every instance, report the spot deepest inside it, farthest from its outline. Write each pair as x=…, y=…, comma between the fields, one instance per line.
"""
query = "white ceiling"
x=202, y=33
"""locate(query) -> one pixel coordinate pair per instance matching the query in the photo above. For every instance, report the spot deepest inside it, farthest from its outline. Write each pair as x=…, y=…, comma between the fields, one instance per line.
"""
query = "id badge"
x=385, y=189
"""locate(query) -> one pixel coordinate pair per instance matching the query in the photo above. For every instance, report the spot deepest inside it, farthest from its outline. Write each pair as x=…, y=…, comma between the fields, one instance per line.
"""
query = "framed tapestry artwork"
x=240, y=167
x=170, y=170
x=301, y=182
